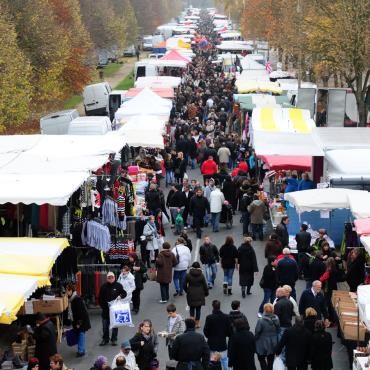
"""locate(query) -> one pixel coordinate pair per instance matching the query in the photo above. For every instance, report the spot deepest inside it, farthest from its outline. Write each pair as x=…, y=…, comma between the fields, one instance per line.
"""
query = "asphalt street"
x=152, y=309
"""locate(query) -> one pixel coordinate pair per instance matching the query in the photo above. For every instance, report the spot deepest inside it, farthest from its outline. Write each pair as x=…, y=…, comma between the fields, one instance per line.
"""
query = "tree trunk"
x=325, y=81
x=336, y=82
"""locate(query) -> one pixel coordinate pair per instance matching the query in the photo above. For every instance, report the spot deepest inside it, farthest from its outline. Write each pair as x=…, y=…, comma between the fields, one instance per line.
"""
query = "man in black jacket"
x=152, y=199
x=216, y=329
x=209, y=256
x=287, y=271
x=296, y=341
x=198, y=207
x=236, y=314
x=80, y=316
x=46, y=340
x=175, y=200
x=109, y=291
x=283, y=309
x=188, y=194
x=282, y=231
x=303, y=239
x=314, y=298
x=190, y=349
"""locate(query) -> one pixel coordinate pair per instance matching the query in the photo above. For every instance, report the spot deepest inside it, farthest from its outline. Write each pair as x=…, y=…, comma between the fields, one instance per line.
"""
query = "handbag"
x=262, y=282
x=152, y=274
x=72, y=338
x=177, y=256
x=149, y=238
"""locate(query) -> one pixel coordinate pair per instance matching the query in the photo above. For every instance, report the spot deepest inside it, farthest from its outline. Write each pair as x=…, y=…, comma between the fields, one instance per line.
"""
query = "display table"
x=360, y=360
x=276, y=216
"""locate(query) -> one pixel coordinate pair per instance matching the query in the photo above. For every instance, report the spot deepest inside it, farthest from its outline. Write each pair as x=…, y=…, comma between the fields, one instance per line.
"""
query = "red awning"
x=175, y=55
x=287, y=163
x=163, y=92
x=362, y=226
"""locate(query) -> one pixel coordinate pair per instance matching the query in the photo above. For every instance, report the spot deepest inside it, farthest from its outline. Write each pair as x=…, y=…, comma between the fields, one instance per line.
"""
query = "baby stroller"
x=227, y=215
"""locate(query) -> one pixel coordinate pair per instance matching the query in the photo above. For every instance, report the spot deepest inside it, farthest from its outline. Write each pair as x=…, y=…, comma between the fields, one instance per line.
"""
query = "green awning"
x=250, y=101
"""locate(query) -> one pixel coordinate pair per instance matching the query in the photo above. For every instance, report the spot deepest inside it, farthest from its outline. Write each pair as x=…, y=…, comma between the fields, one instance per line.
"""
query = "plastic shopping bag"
x=119, y=314
x=278, y=364
x=71, y=337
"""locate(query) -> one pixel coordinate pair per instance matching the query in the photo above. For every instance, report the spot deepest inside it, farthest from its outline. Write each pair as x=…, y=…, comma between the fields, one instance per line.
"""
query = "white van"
x=95, y=99
x=57, y=123
x=93, y=125
x=153, y=67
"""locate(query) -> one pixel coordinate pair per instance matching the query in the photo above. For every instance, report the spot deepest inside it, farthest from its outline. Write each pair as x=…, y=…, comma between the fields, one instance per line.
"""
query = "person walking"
x=223, y=155
x=151, y=236
x=165, y=262
x=303, y=239
x=229, y=191
x=190, y=349
x=153, y=199
x=236, y=314
x=188, y=194
x=145, y=345
x=228, y=259
x=46, y=340
x=138, y=269
x=109, y=291
x=287, y=271
x=198, y=208
x=183, y=256
x=243, y=207
x=247, y=265
x=196, y=289
x=273, y=247
x=208, y=169
x=314, y=298
x=179, y=167
x=269, y=284
x=175, y=327
x=321, y=348
x=257, y=211
x=127, y=280
x=80, y=317
x=209, y=256
x=267, y=337
x=217, y=199
x=127, y=354
x=282, y=231
x=169, y=168
x=283, y=309
x=296, y=341
x=216, y=329
x=242, y=347
x=355, y=269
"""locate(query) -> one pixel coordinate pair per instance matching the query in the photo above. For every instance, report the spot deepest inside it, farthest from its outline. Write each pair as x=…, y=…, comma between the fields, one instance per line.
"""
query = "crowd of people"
x=205, y=133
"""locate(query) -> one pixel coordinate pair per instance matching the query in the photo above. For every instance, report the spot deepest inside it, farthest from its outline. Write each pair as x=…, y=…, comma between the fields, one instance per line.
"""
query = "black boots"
x=243, y=292
x=225, y=288
x=229, y=292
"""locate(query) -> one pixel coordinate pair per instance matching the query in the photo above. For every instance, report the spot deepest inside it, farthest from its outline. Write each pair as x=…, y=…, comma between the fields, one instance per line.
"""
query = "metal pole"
x=18, y=219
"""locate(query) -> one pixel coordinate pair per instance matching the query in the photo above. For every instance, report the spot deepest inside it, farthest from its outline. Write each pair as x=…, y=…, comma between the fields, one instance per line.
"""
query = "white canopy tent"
x=158, y=81
x=360, y=204
x=321, y=199
x=146, y=102
x=365, y=241
x=250, y=63
x=48, y=169
x=363, y=298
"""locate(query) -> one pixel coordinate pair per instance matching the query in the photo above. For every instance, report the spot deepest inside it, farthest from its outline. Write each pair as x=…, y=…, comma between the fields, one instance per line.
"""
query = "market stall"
x=158, y=81
x=259, y=86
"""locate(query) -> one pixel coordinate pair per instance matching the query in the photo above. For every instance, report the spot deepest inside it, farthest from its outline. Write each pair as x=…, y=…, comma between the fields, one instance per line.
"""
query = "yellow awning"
x=14, y=291
x=25, y=265
x=252, y=86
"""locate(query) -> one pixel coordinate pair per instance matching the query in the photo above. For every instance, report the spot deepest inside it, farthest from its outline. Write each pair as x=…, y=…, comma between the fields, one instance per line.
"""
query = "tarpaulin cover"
x=158, y=81
x=49, y=168
x=362, y=226
x=282, y=119
x=175, y=55
x=350, y=161
x=360, y=204
x=30, y=256
x=163, y=92
x=287, y=163
x=250, y=86
x=321, y=199
x=14, y=291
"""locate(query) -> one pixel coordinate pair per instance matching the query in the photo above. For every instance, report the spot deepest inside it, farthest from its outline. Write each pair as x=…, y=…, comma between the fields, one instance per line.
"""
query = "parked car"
x=129, y=51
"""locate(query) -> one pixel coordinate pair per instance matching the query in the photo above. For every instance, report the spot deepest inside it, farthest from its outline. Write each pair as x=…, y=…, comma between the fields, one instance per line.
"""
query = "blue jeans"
x=169, y=177
x=224, y=359
x=257, y=229
x=211, y=271
x=228, y=277
x=178, y=280
x=268, y=297
x=81, y=342
x=106, y=331
x=215, y=220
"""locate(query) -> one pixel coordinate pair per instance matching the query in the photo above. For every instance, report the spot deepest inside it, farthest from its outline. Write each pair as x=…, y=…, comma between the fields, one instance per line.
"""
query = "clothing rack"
x=97, y=265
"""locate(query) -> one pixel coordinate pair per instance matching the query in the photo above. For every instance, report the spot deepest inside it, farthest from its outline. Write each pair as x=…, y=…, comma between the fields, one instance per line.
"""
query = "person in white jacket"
x=127, y=280
x=183, y=255
x=128, y=355
x=217, y=199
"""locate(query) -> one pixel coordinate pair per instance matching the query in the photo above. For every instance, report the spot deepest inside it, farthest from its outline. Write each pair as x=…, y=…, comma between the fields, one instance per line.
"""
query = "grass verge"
x=126, y=83
x=72, y=102
x=111, y=69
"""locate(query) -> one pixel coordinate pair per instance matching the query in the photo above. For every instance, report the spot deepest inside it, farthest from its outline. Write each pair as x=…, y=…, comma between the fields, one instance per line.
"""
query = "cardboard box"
x=350, y=330
x=55, y=305
x=338, y=295
x=20, y=349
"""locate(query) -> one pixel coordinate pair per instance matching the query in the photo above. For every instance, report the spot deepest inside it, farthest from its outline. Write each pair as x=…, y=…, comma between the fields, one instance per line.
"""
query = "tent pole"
x=18, y=220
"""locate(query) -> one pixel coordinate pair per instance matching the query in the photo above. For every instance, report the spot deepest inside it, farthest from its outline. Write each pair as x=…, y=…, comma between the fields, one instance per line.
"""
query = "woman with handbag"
x=266, y=335
x=145, y=345
x=165, y=262
x=268, y=283
x=151, y=236
x=80, y=317
x=138, y=269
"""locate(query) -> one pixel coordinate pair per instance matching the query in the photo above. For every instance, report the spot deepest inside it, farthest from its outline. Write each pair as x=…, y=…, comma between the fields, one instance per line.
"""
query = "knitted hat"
x=100, y=361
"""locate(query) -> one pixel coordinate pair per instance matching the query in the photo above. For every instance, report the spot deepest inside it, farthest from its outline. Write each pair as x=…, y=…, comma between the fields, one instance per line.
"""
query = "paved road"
x=151, y=308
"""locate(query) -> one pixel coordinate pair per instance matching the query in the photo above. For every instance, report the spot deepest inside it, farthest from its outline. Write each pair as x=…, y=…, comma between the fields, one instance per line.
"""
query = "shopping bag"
x=152, y=274
x=278, y=364
x=72, y=338
x=119, y=314
x=165, y=220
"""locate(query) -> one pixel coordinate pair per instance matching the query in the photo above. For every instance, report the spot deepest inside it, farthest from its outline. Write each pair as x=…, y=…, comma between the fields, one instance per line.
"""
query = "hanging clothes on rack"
x=96, y=235
x=120, y=249
x=110, y=212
